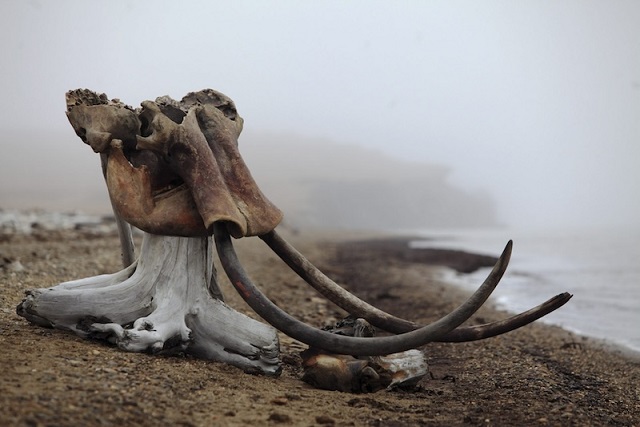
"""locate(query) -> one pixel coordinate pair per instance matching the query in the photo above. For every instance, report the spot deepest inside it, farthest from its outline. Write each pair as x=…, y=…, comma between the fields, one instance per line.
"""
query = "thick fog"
x=362, y=113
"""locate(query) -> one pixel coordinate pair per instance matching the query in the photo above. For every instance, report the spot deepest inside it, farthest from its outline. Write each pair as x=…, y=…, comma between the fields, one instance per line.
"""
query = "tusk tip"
x=565, y=296
x=505, y=257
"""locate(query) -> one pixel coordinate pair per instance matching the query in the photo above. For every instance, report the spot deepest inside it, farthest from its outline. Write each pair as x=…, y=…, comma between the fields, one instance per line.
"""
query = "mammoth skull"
x=173, y=168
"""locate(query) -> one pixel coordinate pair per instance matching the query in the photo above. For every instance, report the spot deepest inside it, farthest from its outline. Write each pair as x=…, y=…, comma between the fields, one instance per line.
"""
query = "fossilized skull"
x=174, y=168
x=347, y=373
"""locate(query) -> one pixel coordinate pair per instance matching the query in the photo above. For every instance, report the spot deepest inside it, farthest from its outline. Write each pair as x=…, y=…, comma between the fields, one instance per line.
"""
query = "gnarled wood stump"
x=167, y=301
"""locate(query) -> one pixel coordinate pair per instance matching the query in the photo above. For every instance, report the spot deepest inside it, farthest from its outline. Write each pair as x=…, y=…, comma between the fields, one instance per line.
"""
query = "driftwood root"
x=163, y=303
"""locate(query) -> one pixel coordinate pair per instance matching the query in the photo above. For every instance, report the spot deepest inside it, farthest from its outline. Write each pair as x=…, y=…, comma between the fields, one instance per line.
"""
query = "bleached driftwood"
x=159, y=304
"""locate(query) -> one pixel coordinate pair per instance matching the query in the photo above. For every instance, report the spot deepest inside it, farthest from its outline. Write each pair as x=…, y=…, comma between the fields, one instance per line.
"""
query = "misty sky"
x=536, y=102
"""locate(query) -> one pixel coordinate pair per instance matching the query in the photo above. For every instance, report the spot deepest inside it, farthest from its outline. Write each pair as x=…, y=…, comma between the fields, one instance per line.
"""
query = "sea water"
x=600, y=267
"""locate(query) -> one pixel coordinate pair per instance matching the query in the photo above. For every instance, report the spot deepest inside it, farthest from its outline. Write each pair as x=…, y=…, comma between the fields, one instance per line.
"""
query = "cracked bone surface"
x=173, y=170
x=365, y=374
x=179, y=170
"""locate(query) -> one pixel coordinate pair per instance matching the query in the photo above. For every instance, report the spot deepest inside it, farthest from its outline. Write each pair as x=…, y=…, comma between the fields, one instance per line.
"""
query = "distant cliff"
x=320, y=183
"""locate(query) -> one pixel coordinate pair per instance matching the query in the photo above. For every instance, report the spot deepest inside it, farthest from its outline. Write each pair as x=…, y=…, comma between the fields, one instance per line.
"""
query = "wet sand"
x=538, y=375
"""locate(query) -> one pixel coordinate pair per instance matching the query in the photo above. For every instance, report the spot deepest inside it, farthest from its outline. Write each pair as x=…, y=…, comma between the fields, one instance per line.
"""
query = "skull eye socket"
x=175, y=114
x=228, y=110
x=82, y=133
x=145, y=126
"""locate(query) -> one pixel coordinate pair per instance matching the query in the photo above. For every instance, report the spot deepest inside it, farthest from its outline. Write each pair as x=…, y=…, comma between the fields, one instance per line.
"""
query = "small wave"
x=604, y=282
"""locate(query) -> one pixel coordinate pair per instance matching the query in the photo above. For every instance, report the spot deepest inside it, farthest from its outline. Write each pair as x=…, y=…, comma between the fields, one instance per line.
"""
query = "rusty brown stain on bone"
x=174, y=168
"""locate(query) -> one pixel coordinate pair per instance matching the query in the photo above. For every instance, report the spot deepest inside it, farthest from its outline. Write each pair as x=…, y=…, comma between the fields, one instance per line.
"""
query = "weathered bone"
x=346, y=373
x=344, y=344
x=388, y=322
x=173, y=169
x=366, y=374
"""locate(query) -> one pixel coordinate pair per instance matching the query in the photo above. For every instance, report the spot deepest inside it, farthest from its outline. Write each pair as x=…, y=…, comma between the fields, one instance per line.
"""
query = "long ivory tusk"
x=331, y=290
x=488, y=330
x=388, y=322
x=343, y=344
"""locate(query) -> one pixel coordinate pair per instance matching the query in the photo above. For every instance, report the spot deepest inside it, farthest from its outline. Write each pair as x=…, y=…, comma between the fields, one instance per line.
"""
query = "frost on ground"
x=27, y=222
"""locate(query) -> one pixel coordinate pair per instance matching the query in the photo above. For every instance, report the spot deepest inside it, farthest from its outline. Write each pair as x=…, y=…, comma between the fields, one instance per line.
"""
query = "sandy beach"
x=538, y=375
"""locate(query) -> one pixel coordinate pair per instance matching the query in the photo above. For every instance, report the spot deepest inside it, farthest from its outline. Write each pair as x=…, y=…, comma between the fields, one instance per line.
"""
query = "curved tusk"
x=343, y=344
x=488, y=330
x=388, y=322
x=332, y=291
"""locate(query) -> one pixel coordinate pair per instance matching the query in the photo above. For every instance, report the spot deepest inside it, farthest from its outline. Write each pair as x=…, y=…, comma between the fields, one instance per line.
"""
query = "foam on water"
x=601, y=268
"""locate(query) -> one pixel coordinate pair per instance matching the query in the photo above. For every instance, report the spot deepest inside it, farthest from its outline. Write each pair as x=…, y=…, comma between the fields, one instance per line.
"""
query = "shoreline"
x=596, y=265
x=613, y=345
x=539, y=374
